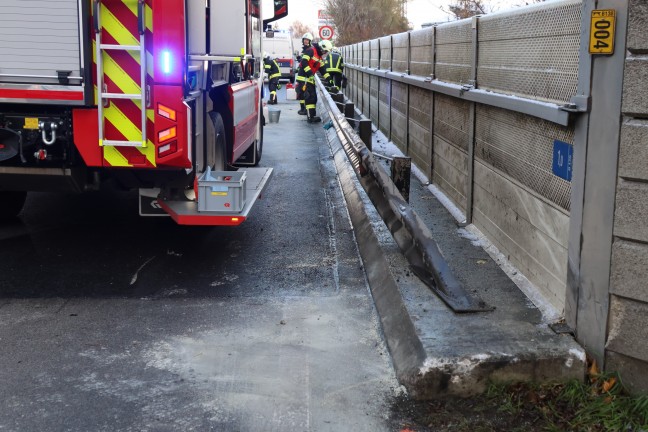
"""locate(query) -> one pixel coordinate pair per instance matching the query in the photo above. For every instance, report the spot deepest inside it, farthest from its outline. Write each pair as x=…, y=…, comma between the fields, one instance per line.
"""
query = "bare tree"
x=467, y=8
x=359, y=20
x=298, y=29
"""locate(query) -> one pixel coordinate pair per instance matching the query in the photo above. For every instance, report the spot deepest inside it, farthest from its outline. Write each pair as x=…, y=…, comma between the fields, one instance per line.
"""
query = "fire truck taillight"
x=167, y=149
x=167, y=112
x=167, y=134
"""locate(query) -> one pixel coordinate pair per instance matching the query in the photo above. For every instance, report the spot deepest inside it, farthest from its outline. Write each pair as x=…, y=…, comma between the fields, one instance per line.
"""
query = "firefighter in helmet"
x=312, y=61
x=334, y=69
x=307, y=40
x=272, y=72
x=306, y=44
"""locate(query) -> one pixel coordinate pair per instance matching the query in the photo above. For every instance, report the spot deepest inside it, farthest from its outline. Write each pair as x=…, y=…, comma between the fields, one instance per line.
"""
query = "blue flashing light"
x=166, y=62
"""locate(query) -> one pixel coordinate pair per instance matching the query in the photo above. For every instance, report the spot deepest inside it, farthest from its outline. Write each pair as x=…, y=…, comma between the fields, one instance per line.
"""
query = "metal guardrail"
x=409, y=231
x=559, y=114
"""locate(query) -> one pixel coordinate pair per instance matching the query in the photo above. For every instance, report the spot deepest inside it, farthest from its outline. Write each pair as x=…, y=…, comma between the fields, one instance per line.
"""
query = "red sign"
x=322, y=15
x=326, y=32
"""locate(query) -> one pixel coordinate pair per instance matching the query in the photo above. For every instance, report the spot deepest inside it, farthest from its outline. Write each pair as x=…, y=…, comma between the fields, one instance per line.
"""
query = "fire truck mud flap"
x=189, y=212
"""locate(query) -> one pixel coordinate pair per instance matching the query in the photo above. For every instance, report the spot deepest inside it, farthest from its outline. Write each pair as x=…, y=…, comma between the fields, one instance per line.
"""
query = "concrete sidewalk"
x=436, y=351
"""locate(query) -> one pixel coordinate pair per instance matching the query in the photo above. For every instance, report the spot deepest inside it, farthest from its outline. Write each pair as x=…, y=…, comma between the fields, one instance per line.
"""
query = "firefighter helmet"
x=326, y=45
x=307, y=36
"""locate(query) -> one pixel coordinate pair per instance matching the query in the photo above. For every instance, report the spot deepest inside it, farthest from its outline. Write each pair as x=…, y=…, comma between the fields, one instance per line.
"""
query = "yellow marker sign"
x=31, y=123
x=602, y=31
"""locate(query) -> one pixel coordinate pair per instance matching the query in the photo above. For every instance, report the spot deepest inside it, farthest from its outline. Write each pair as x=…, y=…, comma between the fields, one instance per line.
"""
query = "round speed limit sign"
x=326, y=32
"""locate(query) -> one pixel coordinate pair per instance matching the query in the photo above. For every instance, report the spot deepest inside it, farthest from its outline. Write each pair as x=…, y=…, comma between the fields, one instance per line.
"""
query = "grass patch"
x=600, y=405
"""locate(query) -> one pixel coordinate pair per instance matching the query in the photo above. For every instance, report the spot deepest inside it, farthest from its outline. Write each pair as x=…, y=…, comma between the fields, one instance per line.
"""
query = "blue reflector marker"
x=166, y=62
x=562, y=160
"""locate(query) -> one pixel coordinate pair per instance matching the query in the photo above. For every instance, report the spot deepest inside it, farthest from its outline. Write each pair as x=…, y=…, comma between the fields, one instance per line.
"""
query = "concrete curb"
x=404, y=345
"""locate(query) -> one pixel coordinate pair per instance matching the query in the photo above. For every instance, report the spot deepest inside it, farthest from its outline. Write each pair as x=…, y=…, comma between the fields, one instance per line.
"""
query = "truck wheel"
x=216, y=151
x=258, y=147
x=11, y=203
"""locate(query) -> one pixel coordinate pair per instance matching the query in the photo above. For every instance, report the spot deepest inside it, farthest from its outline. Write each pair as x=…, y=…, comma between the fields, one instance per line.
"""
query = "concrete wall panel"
x=631, y=211
x=450, y=171
x=637, y=41
x=634, y=373
x=635, y=91
x=537, y=253
x=421, y=107
x=384, y=107
x=451, y=120
x=628, y=333
x=374, y=83
x=629, y=264
x=633, y=153
x=399, y=115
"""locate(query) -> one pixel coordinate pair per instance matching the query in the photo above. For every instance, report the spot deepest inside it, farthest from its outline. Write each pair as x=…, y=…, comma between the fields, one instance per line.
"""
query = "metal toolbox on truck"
x=221, y=191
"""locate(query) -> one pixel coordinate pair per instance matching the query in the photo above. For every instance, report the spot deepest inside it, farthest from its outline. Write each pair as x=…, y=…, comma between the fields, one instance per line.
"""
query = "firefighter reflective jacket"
x=311, y=62
x=271, y=68
x=334, y=63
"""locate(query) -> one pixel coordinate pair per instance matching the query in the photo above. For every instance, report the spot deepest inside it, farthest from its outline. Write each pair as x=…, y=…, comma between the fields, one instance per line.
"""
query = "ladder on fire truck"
x=102, y=96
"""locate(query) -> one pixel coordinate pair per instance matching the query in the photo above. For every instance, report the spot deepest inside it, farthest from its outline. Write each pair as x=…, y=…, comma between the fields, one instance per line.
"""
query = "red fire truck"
x=163, y=96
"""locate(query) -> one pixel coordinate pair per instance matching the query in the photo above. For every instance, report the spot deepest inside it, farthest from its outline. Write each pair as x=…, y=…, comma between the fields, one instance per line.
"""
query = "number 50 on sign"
x=602, y=31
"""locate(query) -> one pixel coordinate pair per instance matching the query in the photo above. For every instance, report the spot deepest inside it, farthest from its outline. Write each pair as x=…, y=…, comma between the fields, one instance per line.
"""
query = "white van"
x=279, y=45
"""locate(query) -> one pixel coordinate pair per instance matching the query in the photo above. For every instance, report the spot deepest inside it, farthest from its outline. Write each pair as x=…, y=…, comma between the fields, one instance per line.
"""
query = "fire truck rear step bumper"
x=186, y=212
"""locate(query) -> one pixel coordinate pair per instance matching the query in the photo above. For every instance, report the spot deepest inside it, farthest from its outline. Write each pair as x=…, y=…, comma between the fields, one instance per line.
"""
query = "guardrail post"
x=349, y=110
x=401, y=168
x=364, y=130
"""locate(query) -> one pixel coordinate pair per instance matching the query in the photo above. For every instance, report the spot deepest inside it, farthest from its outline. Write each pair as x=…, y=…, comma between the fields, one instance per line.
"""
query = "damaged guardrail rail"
x=408, y=230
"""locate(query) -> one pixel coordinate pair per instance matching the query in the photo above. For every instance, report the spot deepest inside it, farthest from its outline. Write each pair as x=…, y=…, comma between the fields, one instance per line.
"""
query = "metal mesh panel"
x=374, y=45
x=454, y=51
x=422, y=51
x=385, y=53
x=373, y=103
x=400, y=52
x=451, y=117
x=399, y=115
x=366, y=52
x=521, y=147
x=420, y=112
x=531, y=52
x=384, y=106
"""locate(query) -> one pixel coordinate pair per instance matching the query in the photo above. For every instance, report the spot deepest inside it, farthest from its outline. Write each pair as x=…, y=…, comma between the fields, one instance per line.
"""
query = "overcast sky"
x=418, y=11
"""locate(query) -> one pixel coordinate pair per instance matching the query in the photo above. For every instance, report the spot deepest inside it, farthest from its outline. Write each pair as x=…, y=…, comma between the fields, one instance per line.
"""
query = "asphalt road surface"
x=112, y=322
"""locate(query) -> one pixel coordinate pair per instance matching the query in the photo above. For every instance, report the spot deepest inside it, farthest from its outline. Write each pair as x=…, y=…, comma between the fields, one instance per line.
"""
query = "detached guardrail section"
x=483, y=106
x=408, y=230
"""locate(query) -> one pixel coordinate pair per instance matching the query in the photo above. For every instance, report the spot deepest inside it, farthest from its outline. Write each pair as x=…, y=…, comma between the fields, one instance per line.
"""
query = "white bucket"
x=274, y=115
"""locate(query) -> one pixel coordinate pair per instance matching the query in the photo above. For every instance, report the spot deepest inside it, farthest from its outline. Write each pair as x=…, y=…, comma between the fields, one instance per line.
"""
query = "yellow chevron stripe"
x=119, y=76
x=114, y=157
x=125, y=37
x=123, y=123
x=131, y=132
x=116, y=29
x=148, y=13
